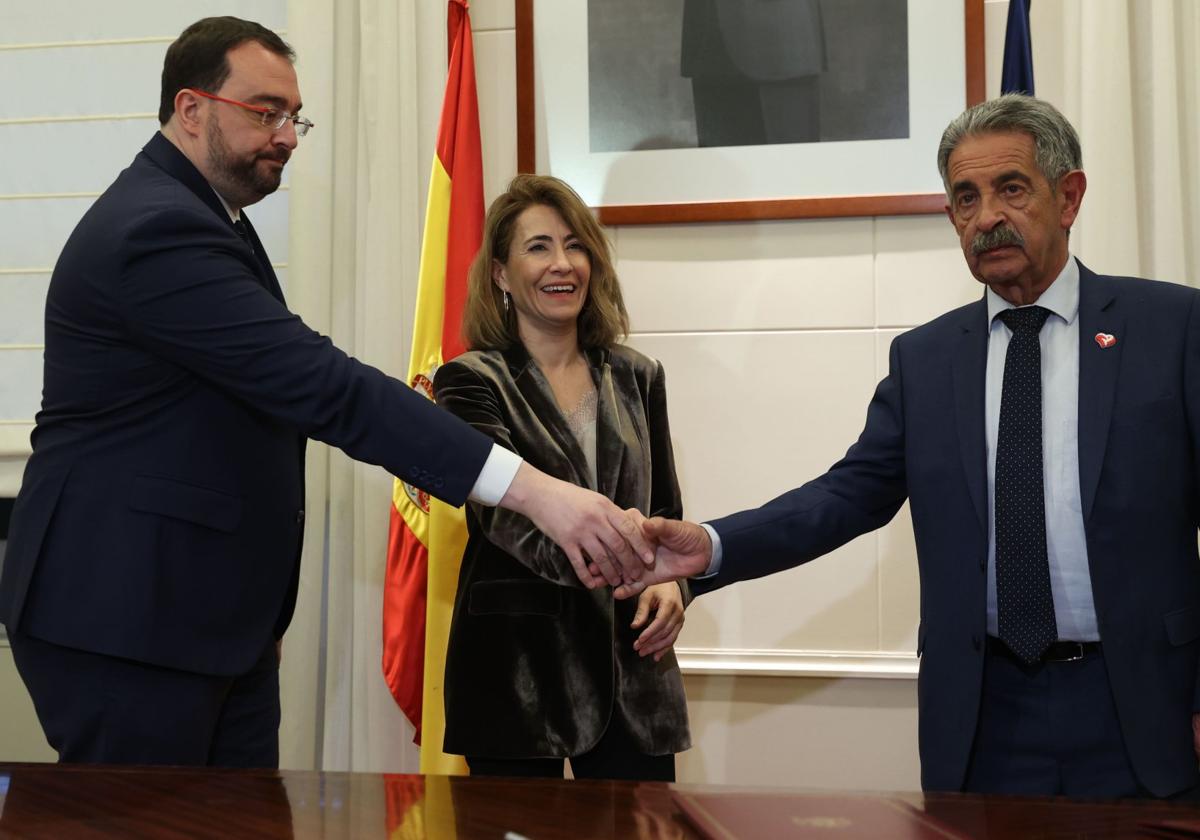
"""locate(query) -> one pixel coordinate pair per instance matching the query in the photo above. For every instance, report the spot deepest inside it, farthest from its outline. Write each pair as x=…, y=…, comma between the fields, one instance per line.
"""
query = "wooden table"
x=80, y=803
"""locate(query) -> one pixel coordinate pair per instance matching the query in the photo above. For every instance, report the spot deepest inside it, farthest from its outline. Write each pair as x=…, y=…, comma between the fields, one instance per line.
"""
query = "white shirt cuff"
x=497, y=474
x=714, y=565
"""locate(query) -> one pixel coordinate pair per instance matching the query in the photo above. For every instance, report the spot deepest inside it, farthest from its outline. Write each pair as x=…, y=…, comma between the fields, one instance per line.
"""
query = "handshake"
x=608, y=546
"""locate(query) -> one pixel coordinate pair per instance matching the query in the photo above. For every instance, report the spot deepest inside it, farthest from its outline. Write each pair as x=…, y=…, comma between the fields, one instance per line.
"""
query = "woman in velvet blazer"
x=540, y=669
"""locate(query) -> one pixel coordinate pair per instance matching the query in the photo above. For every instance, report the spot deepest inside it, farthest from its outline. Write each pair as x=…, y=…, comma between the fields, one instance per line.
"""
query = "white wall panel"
x=33, y=231
x=492, y=14
x=20, y=383
x=107, y=79
x=496, y=79
x=21, y=313
x=754, y=275
x=71, y=20
x=753, y=415
x=810, y=733
x=58, y=157
x=919, y=270
x=270, y=219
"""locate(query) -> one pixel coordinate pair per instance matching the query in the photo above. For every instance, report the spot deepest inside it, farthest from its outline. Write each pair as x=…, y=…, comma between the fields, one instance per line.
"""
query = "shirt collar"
x=1061, y=298
x=234, y=215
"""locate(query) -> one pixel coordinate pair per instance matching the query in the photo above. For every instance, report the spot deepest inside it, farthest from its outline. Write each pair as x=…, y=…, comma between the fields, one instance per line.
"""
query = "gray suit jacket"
x=537, y=665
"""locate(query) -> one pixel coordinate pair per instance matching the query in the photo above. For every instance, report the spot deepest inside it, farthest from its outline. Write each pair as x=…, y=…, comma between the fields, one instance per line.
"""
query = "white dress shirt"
x=1066, y=543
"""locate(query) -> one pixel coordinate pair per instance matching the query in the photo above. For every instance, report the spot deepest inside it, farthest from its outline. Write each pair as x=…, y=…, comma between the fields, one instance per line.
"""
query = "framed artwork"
x=728, y=110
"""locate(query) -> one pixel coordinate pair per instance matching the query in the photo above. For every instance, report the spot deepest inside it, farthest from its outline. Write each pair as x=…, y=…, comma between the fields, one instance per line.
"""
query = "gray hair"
x=1055, y=143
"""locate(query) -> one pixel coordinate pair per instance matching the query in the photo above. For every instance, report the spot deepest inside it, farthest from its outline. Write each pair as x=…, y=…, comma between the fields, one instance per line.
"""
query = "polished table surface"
x=94, y=802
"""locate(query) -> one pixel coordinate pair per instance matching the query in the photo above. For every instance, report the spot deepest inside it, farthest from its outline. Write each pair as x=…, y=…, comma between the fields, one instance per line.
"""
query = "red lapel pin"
x=1105, y=340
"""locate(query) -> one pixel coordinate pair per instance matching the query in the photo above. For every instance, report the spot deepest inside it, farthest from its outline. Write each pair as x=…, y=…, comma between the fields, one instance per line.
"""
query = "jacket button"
x=300, y=517
x=976, y=642
x=439, y=483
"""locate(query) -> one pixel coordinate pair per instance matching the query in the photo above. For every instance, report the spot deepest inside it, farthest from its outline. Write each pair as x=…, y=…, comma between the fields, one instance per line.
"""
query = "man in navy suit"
x=1055, y=530
x=153, y=558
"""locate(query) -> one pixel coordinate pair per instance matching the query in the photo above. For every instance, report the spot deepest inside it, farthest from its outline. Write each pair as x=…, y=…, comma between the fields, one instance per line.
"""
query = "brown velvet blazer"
x=537, y=664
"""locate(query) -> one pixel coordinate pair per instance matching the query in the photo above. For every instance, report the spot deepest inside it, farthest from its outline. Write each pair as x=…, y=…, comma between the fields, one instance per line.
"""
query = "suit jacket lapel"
x=536, y=390
x=969, y=372
x=164, y=154
x=266, y=270
x=610, y=440
x=1099, y=313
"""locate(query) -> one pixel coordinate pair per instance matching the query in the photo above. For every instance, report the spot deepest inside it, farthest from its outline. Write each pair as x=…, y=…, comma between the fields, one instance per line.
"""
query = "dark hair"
x=486, y=324
x=199, y=56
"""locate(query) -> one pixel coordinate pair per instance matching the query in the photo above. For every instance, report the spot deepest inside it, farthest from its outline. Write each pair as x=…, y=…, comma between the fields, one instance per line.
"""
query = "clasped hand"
x=680, y=550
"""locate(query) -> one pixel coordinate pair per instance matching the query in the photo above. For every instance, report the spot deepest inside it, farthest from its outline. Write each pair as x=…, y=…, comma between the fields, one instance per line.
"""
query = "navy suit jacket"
x=161, y=513
x=1139, y=426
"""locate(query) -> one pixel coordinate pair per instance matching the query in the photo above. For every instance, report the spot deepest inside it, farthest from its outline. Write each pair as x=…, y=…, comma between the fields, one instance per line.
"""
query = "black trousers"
x=1049, y=729
x=616, y=756
x=98, y=709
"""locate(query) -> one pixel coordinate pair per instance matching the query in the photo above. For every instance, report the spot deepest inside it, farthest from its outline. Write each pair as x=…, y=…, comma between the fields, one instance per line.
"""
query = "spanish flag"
x=426, y=538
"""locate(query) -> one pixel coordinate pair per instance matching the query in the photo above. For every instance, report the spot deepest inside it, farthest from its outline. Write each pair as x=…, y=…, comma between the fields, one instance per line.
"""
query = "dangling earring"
x=505, y=296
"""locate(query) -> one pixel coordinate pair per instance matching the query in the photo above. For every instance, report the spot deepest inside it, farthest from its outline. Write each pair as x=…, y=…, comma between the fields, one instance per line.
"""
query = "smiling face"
x=546, y=272
x=1011, y=222
x=245, y=159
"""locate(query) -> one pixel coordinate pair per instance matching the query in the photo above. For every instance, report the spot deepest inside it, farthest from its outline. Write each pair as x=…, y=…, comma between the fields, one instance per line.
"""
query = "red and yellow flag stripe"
x=426, y=537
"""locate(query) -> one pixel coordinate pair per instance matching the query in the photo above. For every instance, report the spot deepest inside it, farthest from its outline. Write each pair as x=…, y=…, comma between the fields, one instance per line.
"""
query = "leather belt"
x=1057, y=652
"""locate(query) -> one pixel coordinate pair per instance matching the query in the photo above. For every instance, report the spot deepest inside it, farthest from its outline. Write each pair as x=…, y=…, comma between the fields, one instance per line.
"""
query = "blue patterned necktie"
x=1024, y=603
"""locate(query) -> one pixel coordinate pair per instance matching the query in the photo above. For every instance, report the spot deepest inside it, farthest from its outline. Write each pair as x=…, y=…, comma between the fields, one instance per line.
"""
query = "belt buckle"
x=1075, y=655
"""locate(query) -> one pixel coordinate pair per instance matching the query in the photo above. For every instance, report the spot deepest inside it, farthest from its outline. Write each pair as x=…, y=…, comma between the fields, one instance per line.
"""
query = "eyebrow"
x=275, y=102
x=1003, y=177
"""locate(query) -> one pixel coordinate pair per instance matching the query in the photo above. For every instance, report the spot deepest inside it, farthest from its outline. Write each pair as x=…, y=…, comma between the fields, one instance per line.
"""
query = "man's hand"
x=665, y=601
x=588, y=527
x=684, y=550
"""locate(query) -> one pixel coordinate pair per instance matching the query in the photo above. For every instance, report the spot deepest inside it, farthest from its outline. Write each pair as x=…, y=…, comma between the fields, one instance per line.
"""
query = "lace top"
x=582, y=422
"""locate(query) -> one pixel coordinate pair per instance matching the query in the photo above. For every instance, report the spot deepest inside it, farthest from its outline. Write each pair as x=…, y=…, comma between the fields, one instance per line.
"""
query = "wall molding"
x=100, y=42
x=88, y=194
x=144, y=115
x=96, y=42
x=884, y=665
x=14, y=438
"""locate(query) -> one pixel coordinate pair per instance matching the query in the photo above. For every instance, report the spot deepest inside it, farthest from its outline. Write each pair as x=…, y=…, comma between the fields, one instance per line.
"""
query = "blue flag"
x=1017, y=73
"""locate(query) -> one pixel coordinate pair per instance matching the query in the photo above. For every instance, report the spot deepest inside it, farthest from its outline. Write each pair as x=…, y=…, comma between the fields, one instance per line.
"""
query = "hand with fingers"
x=604, y=545
x=662, y=606
x=683, y=550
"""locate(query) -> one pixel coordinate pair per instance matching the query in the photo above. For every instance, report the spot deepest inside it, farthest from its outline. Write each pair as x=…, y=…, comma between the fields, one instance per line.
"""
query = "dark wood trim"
x=782, y=208
x=526, y=120
x=729, y=211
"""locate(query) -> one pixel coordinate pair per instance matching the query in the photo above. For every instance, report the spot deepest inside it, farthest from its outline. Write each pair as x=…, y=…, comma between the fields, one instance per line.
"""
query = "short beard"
x=239, y=181
x=997, y=237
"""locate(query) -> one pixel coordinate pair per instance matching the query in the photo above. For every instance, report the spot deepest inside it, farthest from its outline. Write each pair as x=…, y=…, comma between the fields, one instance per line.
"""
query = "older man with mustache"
x=1048, y=440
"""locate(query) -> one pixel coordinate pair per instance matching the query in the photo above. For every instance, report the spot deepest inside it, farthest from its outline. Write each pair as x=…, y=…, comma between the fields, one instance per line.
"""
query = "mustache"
x=997, y=237
x=283, y=155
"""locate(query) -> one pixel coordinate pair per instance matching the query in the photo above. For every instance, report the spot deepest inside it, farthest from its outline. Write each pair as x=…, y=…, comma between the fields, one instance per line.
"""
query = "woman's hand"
x=665, y=602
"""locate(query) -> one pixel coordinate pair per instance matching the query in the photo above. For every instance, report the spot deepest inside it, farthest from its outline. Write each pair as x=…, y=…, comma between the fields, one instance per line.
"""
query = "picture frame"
x=857, y=177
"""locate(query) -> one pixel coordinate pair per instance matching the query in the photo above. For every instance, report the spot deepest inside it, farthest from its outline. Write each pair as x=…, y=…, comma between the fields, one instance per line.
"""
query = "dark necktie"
x=244, y=232
x=1024, y=604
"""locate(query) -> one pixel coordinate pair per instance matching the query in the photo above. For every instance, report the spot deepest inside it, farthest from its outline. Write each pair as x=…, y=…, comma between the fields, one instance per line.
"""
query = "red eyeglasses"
x=272, y=118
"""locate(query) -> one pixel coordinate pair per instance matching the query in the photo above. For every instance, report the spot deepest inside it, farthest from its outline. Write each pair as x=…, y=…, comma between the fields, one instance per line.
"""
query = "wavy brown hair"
x=603, y=320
